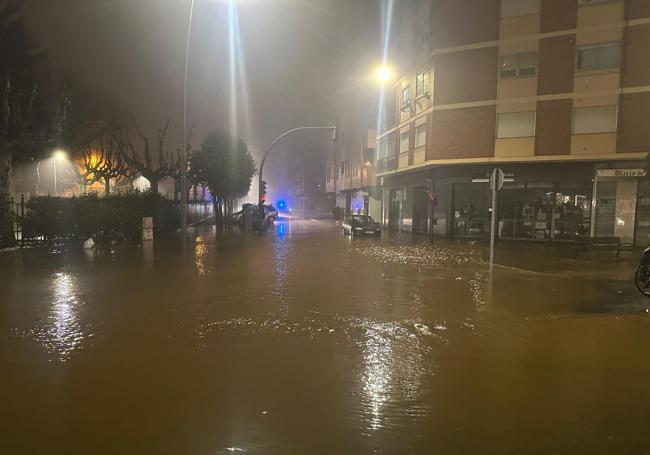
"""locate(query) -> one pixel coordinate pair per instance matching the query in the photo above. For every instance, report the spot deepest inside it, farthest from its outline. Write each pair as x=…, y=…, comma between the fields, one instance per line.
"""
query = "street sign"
x=496, y=179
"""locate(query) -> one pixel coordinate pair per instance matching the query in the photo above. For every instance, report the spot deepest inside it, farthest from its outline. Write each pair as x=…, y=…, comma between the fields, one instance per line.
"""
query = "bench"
x=602, y=243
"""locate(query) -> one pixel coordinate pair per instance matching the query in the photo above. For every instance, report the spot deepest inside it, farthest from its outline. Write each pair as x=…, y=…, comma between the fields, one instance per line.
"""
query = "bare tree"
x=153, y=163
x=102, y=162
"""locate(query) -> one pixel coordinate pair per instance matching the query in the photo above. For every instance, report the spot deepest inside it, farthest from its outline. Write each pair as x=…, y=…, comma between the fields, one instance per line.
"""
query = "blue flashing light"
x=281, y=205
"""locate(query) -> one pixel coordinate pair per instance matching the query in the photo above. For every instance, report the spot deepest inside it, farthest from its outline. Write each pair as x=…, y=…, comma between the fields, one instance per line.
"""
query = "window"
x=602, y=56
x=599, y=119
x=406, y=94
x=517, y=124
x=511, y=8
x=518, y=65
x=421, y=82
x=404, y=142
x=421, y=135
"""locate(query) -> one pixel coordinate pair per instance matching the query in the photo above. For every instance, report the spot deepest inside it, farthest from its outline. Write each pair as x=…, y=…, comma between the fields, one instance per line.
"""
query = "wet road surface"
x=306, y=341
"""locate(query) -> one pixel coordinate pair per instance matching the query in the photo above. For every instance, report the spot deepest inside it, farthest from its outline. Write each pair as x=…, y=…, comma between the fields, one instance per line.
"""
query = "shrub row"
x=117, y=217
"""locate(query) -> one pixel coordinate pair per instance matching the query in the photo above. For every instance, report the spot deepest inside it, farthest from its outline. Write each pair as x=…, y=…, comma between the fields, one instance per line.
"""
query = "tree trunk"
x=6, y=219
x=153, y=182
x=107, y=187
x=177, y=189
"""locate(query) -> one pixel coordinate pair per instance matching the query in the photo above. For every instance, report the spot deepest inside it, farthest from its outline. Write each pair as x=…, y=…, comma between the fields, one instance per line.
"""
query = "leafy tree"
x=225, y=166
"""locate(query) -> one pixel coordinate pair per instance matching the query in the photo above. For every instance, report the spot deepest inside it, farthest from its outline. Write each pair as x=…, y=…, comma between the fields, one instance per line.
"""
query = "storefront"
x=622, y=205
x=539, y=202
x=527, y=210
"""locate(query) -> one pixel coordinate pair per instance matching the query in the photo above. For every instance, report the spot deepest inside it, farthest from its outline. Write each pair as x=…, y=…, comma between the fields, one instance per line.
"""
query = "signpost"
x=496, y=183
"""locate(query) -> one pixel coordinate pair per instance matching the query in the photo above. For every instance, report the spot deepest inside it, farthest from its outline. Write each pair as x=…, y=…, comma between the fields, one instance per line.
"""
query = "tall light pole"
x=55, y=156
x=184, y=151
x=261, y=185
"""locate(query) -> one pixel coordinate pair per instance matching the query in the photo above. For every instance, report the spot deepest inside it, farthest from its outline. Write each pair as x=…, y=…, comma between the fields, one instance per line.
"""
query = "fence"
x=17, y=212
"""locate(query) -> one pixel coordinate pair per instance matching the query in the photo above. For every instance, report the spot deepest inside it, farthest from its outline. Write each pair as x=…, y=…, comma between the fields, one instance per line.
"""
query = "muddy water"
x=305, y=341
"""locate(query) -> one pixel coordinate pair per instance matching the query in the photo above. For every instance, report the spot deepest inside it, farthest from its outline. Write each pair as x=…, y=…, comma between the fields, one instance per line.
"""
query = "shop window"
x=518, y=65
x=516, y=124
x=471, y=213
x=599, y=57
x=511, y=8
x=421, y=135
x=539, y=211
x=404, y=142
x=598, y=119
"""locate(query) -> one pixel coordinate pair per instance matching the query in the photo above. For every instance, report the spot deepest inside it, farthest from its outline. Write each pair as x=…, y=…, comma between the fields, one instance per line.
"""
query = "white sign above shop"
x=620, y=172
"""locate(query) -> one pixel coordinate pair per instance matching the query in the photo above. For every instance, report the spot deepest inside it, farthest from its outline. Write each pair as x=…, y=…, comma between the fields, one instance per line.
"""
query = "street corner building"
x=554, y=93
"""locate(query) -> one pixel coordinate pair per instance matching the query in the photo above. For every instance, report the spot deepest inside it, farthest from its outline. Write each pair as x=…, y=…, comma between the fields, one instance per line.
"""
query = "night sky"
x=132, y=52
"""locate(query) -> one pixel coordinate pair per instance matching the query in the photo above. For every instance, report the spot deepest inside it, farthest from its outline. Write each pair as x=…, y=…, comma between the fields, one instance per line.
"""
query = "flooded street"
x=306, y=341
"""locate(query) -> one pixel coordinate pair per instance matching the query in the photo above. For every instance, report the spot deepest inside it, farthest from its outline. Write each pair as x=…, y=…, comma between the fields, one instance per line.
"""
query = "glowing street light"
x=384, y=74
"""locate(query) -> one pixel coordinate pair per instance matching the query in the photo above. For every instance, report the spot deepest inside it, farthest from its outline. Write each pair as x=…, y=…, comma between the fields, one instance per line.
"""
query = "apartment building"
x=556, y=93
x=350, y=169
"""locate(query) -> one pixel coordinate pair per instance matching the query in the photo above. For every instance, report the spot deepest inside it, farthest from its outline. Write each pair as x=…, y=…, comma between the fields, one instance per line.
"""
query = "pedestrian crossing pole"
x=496, y=183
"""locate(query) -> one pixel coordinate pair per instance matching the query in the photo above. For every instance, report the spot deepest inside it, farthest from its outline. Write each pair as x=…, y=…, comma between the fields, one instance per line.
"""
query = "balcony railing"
x=386, y=164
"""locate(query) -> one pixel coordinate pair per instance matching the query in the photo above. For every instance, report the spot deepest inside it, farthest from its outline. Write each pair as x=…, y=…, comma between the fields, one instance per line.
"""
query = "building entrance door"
x=395, y=205
x=420, y=210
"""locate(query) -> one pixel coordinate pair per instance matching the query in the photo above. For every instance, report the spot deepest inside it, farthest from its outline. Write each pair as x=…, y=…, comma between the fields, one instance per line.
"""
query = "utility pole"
x=185, y=145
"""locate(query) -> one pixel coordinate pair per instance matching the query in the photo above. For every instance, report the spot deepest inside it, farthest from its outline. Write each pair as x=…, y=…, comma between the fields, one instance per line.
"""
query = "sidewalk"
x=552, y=258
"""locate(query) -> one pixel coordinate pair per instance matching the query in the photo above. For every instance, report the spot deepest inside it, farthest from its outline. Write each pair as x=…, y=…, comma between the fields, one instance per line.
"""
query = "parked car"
x=270, y=213
x=360, y=225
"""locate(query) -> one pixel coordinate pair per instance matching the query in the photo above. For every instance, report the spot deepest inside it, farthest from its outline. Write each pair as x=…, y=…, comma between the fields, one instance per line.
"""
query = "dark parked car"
x=360, y=225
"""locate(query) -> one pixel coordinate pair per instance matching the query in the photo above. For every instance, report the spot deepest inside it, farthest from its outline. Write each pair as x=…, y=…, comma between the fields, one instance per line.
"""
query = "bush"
x=117, y=217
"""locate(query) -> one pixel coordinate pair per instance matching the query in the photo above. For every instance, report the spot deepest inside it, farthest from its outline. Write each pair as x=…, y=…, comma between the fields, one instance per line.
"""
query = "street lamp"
x=184, y=150
x=262, y=185
x=384, y=74
x=57, y=155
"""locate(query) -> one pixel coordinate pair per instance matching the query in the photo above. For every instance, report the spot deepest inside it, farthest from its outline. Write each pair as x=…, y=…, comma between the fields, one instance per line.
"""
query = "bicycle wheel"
x=641, y=282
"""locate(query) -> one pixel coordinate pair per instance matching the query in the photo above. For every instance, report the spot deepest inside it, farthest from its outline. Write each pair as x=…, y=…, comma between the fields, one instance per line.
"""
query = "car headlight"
x=358, y=229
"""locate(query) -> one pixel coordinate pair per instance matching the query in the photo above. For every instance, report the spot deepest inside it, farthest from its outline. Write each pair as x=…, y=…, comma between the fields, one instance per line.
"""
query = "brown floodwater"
x=306, y=341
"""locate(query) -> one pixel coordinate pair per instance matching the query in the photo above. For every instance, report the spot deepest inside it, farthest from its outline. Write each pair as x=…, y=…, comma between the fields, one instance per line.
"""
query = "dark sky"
x=133, y=52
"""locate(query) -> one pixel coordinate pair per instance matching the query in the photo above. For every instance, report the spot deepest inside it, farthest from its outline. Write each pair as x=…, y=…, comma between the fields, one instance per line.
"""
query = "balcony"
x=386, y=164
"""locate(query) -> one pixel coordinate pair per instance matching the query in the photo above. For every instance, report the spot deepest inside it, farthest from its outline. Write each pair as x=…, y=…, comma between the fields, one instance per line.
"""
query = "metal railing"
x=386, y=164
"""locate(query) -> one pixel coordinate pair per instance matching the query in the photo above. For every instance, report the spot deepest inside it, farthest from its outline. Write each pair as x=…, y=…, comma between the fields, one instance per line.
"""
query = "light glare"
x=384, y=74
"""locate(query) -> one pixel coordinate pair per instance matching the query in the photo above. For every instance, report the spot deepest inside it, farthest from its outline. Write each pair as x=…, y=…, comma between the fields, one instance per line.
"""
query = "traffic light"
x=263, y=192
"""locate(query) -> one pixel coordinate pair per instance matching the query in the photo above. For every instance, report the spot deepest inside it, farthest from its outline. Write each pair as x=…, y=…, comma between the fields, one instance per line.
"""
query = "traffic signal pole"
x=262, y=186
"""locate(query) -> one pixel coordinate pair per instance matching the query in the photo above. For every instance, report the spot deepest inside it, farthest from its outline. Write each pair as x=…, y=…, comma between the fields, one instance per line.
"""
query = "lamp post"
x=261, y=185
x=55, y=156
x=184, y=150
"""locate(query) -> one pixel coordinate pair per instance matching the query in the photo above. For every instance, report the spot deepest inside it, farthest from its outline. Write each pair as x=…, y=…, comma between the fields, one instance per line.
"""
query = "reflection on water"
x=377, y=357
x=394, y=370
x=480, y=286
x=280, y=271
x=64, y=333
x=200, y=249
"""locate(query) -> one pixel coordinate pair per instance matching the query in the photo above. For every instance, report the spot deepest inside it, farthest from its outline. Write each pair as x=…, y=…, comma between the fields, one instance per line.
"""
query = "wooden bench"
x=602, y=243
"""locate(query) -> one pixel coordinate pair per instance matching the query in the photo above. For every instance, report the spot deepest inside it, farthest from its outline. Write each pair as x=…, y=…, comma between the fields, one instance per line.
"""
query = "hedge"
x=117, y=217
